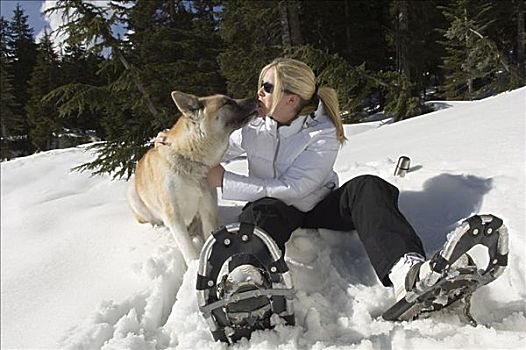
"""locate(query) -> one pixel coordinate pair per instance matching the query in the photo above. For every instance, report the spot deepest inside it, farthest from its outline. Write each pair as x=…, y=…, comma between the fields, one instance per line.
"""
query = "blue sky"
x=38, y=22
x=31, y=8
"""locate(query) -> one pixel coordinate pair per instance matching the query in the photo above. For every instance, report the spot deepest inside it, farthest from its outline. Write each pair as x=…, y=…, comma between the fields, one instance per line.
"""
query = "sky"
x=39, y=22
x=31, y=8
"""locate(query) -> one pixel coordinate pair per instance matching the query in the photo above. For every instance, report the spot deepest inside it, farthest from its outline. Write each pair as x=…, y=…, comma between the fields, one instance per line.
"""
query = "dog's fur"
x=170, y=185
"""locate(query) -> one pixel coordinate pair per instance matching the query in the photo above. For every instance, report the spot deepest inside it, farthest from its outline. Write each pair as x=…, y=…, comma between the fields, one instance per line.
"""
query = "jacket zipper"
x=276, y=154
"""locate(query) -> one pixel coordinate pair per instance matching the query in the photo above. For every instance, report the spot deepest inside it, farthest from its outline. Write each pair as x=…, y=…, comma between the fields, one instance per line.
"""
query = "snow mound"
x=79, y=273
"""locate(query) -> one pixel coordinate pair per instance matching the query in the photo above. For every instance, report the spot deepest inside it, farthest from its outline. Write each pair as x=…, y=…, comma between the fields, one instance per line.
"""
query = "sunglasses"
x=267, y=87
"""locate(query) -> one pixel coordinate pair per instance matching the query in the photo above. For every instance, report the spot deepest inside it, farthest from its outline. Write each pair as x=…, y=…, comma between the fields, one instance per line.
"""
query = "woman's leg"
x=274, y=217
x=369, y=204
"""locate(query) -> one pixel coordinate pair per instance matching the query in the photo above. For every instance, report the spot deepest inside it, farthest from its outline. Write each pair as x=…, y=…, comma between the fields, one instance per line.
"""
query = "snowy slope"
x=77, y=271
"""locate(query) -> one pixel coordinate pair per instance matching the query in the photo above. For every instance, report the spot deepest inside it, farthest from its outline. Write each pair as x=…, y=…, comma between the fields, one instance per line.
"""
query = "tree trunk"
x=294, y=23
x=469, y=82
x=3, y=130
x=285, y=27
x=172, y=9
x=290, y=23
x=348, y=31
x=106, y=35
x=403, y=30
x=469, y=63
x=520, y=42
x=138, y=82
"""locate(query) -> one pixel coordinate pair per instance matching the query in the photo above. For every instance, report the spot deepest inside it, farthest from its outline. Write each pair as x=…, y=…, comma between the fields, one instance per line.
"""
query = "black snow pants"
x=367, y=204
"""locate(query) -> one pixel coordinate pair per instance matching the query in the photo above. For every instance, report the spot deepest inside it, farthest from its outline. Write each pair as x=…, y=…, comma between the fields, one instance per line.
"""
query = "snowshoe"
x=449, y=280
x=242, y=281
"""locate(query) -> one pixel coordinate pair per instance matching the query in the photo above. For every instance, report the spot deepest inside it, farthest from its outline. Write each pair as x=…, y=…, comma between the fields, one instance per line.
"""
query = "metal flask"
x=403, y=166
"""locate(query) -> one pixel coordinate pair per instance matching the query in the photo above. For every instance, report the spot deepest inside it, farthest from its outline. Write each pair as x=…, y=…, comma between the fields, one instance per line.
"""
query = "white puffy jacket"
x=292, y=163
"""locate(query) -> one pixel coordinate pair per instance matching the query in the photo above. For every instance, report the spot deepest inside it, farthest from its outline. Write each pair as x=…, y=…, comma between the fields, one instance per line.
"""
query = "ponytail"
x=329, y=98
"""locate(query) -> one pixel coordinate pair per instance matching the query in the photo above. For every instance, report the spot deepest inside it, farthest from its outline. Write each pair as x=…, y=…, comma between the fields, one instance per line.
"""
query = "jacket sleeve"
x=307, y=173
x=234, y=146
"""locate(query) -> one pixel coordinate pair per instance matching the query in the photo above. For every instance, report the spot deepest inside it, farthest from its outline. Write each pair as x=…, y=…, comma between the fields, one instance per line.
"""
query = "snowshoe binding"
x=450, y=279
x=242, y=281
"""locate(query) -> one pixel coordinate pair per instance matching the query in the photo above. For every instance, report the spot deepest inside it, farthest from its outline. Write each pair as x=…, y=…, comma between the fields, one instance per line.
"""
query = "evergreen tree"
x=472, y=58
x=161, y=54
x=251, y=33
x=353, y=29
x=506, y=31
x=400, y=101
x=353, y=84
x=79, y=65
x=176, y=44
x=5, y=37
x=412, y=38
x=42, y=114
x=125, y=105
x=10, y=120
x=11, y=123
x=22, y=56
x=206, y=45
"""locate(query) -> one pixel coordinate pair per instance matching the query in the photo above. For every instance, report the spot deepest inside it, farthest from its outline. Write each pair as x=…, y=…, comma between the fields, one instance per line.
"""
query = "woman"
x=291, y=150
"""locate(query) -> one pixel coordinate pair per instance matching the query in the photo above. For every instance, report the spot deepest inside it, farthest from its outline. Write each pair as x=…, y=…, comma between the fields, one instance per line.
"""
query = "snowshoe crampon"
x=447, y=282
x=242, y=281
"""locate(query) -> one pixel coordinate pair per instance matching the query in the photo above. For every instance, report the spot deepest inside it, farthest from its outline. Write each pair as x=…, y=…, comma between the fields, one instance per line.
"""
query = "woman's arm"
x=306, y=174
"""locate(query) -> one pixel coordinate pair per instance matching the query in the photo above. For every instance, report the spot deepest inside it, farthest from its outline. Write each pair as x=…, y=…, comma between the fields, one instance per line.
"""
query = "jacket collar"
x=294, y=127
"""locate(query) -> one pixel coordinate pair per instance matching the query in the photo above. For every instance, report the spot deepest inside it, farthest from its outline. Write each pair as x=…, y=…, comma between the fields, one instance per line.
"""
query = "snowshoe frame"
x=236, y=244
x=443, y=287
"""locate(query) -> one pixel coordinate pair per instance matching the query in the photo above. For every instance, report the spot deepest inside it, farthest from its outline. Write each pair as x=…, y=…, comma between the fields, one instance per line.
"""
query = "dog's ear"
x=188, y=104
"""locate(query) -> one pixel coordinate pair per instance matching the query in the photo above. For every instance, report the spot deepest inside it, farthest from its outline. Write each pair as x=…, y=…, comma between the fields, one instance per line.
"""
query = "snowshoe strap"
x=207, y=309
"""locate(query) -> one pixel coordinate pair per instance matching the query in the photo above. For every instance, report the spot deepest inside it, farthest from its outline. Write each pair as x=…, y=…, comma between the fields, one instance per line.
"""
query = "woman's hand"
x=160, y=139
x=215, y=176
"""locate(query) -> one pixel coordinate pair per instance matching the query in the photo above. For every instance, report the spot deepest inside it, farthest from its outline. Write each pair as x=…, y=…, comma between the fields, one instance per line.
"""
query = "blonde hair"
x=296, y=77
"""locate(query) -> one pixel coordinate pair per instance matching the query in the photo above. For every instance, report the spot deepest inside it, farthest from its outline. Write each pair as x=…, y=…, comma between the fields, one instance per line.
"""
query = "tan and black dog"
x=170, y=185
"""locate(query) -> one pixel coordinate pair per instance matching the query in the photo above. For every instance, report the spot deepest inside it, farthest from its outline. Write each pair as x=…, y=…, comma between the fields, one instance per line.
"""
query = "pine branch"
x=86, y=24
x=113, y=157
x=77, y=97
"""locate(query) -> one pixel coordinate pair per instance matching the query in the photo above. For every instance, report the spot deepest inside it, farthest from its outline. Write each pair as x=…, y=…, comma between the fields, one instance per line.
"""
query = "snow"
x=77, y=272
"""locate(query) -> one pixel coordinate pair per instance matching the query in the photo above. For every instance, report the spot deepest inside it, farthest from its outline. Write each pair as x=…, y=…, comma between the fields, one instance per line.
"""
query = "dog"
x=170, y=185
